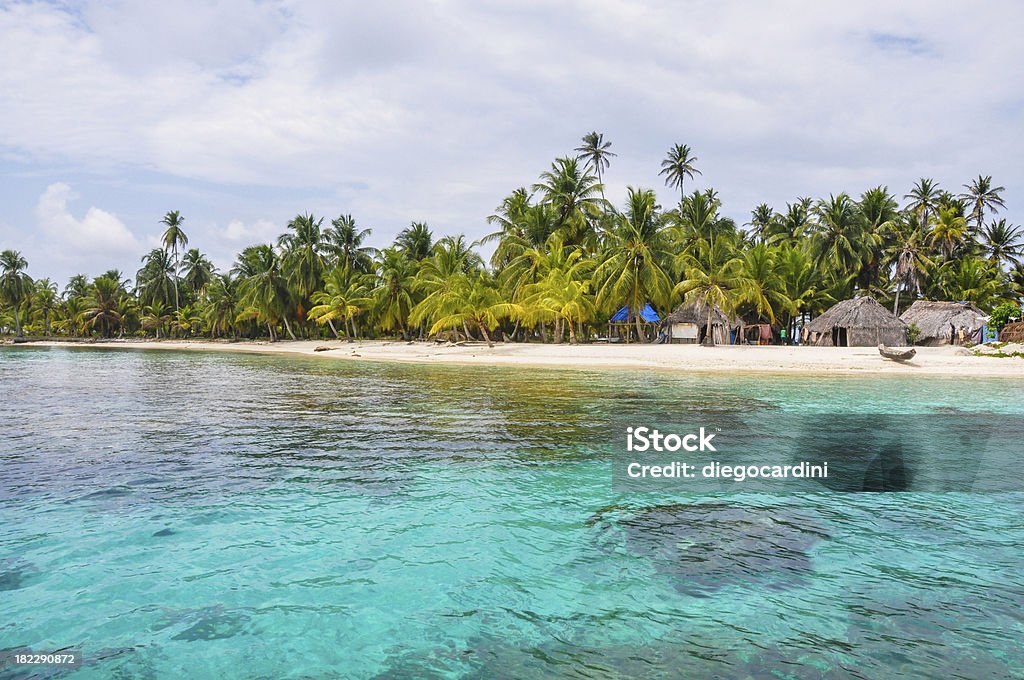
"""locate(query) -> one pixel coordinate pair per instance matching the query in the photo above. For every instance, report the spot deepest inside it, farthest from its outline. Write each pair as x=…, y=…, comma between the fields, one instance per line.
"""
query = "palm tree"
x=762, y=289
x=198, y=271
x=678, y=166
x=595, y=151
x=972, y=279
x=573, y=193
x=45, y=301
x=344, y=243
x=155, y=317
x=761, y=219
x=265, y=291
x=636, y=263
x=948, y=230
x=15, y=284
x=463, y=300
x=346, y=294
x=924, y=199
x=222, y=302
x=908, y=259
x=416, y=241
x=396, y=278
x=303, y=255
x=78, y=286
x=1001, y=241
x=983, y=197
x=712, y=277
x=173, y=238
x=156, y=281
x=840, y=238
x=103, y=310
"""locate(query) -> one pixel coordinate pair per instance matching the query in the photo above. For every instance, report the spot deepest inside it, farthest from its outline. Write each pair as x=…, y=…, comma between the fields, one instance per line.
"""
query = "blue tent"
x=625, y=314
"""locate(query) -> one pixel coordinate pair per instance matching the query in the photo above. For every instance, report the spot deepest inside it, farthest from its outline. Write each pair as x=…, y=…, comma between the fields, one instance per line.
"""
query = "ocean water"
x=175, y=514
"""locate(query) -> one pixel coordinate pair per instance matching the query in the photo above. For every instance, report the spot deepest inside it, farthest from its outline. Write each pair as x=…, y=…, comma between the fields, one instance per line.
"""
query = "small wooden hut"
x=860, y=322
x=689, y=324
x=945, y=323
x=1012, y=332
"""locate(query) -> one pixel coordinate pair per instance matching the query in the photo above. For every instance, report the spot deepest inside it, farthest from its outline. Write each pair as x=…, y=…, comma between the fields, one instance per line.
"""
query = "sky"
x=242, y=114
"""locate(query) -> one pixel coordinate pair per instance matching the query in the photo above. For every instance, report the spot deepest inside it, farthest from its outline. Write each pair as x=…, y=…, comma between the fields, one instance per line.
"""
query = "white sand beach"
x=949, y=361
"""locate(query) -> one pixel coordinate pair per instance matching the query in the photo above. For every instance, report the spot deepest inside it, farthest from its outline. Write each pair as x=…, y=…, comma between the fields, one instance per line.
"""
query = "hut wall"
x=872, y=337
x=686, y=333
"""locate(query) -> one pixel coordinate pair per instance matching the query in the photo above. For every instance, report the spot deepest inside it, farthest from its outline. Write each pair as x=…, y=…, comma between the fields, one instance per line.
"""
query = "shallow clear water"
x=219, y=516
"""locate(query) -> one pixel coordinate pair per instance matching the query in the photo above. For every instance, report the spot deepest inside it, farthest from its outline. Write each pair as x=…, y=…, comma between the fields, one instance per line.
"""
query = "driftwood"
x=897, y=354
x=323, y=348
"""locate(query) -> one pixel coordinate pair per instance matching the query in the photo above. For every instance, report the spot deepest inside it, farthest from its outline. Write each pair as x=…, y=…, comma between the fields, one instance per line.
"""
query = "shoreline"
x=768, y=359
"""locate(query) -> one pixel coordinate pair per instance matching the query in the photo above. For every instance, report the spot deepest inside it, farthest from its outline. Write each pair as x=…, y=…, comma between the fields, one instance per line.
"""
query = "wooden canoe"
x=897, y=354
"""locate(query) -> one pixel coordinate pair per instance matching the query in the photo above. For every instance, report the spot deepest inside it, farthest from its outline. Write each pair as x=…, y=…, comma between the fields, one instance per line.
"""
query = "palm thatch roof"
x=696, y=312
x=860, y=312
x=940, y=320
x=1012, y=332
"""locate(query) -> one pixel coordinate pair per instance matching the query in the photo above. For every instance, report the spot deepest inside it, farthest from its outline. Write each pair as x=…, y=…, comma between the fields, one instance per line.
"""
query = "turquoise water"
x=221, y=516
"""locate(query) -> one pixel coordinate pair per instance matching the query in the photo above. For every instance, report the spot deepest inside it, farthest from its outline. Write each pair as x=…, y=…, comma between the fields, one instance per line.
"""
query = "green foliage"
x=1003, y=314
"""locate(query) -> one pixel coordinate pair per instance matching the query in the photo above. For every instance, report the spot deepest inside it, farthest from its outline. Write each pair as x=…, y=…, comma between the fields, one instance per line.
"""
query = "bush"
x=913, y=333
x=1004, y=314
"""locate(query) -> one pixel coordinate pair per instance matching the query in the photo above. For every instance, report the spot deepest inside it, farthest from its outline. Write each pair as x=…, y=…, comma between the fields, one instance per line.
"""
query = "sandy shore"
x=950, y=361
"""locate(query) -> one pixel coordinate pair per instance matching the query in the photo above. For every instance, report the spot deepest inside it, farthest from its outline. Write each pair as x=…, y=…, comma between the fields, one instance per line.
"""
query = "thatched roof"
x=938, y=319
x=1012, y=332
x=696, y=312
x=860, y=312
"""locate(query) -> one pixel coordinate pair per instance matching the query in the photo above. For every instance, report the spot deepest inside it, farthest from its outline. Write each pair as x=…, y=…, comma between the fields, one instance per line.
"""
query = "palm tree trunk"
x=288, y=327
x=331, y=324
x=572, y=333
x=17, y=322
x=270, y=329
x=487, y=336
x=466, y=329
x=896, y=304
x=559, y=331
x=708, y=338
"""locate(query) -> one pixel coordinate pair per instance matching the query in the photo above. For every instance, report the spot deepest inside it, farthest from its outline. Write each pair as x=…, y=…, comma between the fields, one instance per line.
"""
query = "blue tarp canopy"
x=626, y=314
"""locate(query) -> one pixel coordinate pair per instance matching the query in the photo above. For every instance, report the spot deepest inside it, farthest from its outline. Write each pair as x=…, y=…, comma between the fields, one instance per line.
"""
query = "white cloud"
x=434, y=111
x=98, y=231
x=260, y=231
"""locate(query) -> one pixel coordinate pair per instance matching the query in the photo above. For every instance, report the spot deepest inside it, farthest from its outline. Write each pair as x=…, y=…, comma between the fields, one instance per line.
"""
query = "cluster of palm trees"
x=564, y=259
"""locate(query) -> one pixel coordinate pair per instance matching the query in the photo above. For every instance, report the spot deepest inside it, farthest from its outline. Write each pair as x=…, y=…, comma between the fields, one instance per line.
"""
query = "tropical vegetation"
x=563, y=258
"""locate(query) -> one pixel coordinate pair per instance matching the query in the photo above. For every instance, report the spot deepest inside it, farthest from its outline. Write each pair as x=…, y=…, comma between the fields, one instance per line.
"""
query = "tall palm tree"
x=15, y=284
x=712, y=277
x=908, y=258
x=155, y=317
x=265, y=291
x=761, y=219
x=198, y=271
x=948, y=230
x=574, y=194
x=344, y=244
x=840, y=237
x=924, y=199
x=156, y=281
x=678, y=166
x=983, y=197
x=302, y=256
x=222, y=302
x=636, y=265
x=1001, y=242
x=78, y=286
x=45, y=301
x=103, y=310
x=416, y=241
x=394, y=299
x=173, y=238
x=595, y=151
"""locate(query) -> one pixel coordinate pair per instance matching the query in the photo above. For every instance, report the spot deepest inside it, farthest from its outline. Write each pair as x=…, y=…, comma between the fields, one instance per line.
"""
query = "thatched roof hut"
x=860, y=322
x=944, y=323
x=1012, y=332
x=689, y=323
